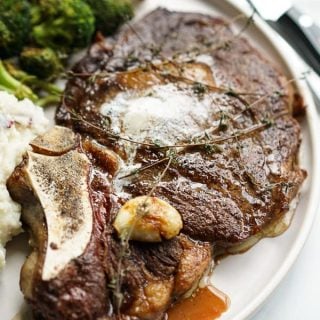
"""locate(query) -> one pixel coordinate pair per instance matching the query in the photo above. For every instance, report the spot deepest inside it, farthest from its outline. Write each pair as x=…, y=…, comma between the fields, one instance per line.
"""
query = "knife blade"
x=297, y=28
x=271, y=12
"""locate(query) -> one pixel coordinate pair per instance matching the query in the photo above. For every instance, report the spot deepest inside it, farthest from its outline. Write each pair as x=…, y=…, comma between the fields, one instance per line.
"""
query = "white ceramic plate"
x=250, y=278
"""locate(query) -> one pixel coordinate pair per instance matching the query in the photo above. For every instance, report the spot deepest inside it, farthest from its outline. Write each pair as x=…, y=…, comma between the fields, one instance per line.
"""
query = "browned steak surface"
x=85, y=286
x=228, y=191
x=178, y=105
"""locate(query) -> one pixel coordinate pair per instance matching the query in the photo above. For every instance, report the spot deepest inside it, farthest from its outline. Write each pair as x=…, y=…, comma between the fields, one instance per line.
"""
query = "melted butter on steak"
x=164, y=113
x=155, y=111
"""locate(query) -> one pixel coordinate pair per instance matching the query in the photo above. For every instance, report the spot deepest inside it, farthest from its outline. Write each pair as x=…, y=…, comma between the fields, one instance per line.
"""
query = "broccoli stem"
x=50, y=88
x=6, y=79
x=2, y=88
x=31, y=80
x=13, y=86
x=17, y=76
x=49, y=100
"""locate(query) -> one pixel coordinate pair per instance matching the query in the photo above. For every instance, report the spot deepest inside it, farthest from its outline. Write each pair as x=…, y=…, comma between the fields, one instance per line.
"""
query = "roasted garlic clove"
x=147, y=219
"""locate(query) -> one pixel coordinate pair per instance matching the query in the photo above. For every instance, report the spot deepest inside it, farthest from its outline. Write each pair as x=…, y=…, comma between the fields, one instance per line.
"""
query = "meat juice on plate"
x=207, y=303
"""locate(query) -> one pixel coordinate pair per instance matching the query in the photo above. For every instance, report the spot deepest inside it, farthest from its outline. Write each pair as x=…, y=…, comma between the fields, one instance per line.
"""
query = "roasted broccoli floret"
x=10, y=84
x=15, y=26
x=42, y=62
x=110, y=14
x=65, y=24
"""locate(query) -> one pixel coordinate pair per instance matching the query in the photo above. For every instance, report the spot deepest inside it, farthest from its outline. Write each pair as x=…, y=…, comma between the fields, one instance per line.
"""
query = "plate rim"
x=283, y=50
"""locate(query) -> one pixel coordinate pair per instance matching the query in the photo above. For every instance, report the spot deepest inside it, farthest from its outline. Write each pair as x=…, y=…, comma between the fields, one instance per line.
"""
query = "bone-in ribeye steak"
x=171, y=79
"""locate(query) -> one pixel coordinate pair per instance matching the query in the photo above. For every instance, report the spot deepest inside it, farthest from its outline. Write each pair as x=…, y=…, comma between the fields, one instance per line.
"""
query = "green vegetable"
x=42, y=62
x=63, y=25
x=110, y=14
x=15, y=26
x=13, y=86
x=49, y=100
x=32, y=81
x=23, y=85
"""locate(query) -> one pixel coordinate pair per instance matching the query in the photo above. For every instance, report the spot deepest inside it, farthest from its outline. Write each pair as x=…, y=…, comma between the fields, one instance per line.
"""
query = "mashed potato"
x=20, y=122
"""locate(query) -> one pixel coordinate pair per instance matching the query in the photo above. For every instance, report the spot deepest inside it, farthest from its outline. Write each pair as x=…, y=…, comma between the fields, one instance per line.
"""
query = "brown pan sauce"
x=205, y=304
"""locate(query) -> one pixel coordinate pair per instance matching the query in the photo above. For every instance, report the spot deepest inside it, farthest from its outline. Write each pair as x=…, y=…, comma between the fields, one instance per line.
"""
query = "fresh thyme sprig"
x=110, y=135
x=268, y=95
x=248, y=107
x=177, y=57
x=239, y=134
x=143, y=168
x=141, y=211
x=217, y=140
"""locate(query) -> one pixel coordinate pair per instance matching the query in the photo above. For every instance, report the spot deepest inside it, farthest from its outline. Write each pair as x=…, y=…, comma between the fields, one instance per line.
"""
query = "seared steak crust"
x=246, y=185
x=227, y=192
x=153, y=275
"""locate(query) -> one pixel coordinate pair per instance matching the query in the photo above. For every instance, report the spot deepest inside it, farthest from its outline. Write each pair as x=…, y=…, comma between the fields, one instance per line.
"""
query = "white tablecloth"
x=298, y=296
